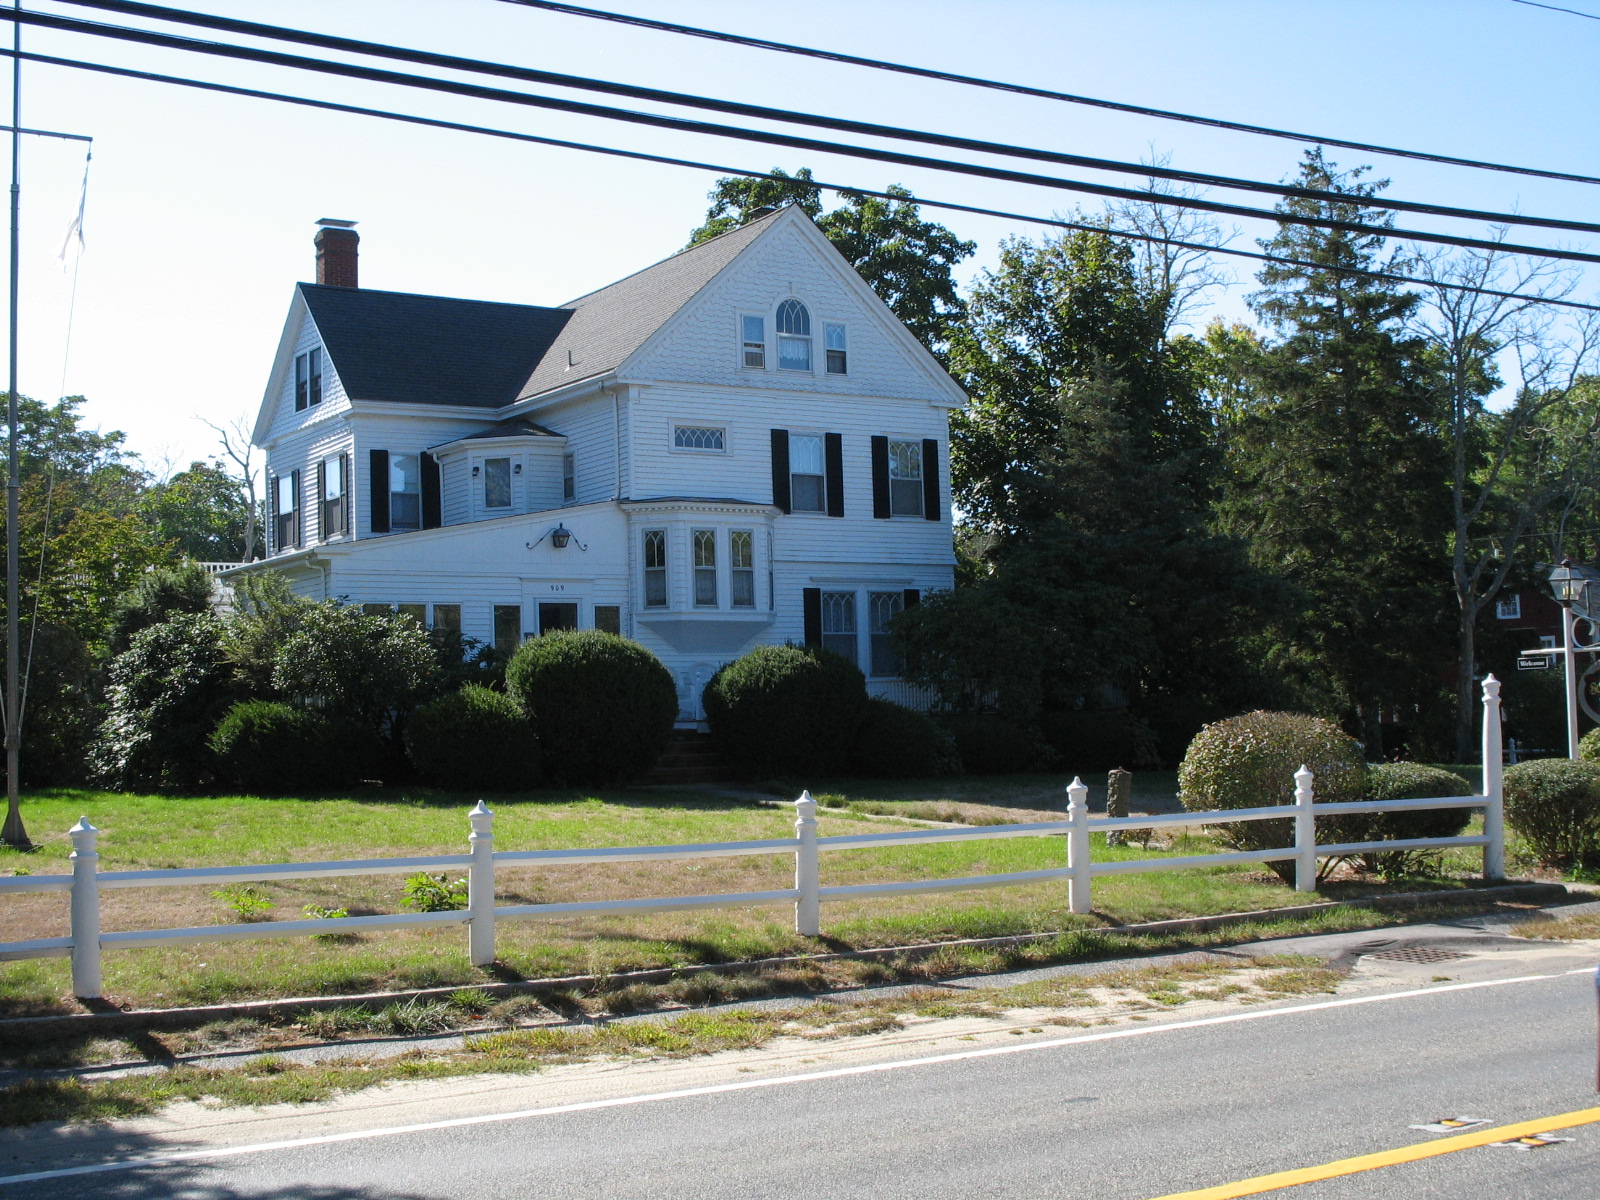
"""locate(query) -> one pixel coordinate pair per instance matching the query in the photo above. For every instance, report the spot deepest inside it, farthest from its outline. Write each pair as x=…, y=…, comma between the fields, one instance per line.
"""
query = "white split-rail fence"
x=86, y=941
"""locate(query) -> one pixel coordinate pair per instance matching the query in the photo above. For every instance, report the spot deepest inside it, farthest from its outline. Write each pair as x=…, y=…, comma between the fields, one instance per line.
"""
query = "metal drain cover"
x=1418, y=954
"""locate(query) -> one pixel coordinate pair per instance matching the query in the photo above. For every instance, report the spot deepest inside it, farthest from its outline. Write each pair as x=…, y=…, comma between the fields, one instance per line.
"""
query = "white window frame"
x=804, y=340
x=748, y=346
x=569, y=477
x=720, y=430
x=829, y=328
x=395, y=462
x=916, y=444
x=745, y=572
x=510, y=505
x=663, y=570
x=898, y=597
x=822, y=450
x=838, y=609
x=703, y=564
x=1509, y=609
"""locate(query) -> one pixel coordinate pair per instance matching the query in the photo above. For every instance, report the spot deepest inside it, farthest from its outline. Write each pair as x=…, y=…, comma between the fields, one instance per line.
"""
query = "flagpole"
x=14, y=834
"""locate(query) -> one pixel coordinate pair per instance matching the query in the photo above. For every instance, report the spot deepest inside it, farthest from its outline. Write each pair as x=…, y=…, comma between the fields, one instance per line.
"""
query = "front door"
x=557, y=616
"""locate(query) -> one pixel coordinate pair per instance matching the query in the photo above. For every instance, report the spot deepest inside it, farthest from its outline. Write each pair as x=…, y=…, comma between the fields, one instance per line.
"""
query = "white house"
x=737, y=445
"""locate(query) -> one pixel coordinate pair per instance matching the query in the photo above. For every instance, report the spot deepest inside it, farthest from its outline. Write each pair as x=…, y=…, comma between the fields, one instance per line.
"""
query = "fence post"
x=1494, y=812
x=85, y=911
x=480, y=887
x=1078, y=869
x=1305, y=832
x=808, y=905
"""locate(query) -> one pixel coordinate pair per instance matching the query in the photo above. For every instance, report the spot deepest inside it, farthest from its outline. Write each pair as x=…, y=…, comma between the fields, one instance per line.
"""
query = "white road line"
x=182, y=1156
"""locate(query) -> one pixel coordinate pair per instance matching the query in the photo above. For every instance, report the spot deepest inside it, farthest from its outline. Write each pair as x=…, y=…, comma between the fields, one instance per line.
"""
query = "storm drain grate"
x=1418, y=954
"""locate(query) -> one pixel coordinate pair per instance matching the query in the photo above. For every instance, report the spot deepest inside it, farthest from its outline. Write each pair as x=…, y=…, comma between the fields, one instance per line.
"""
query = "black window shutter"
x=378, y=481
x=322, y=508
x=930, y=479
x=812, y=605
x=833, y=459
x=344, y=494
x=294, y=498
x=272, y=515
x=913, y=597
x=432, y=506
x=780, y=470
x=880, y=477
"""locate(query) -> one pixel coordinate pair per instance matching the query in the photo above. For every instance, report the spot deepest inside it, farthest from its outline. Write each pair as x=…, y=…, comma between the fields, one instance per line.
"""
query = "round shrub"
x=1589, y=746
x=1554, y=803
x=269, y=748
x=1411, y=781
x=895, y=742
x=356, y=665
x=1249, y=761
x=992, y=745
x=786, y=710
x=601, y=707
x=473, y=739
x=167, y=692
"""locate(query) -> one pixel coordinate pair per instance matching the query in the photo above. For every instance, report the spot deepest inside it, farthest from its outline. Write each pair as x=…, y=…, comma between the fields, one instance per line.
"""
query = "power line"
x=681, y=124
x=1557, y=8
x=843, y=189
x=789, y=116
x=1045, y=93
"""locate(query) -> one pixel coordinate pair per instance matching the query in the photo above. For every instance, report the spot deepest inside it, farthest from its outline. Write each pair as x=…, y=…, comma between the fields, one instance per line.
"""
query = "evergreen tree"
x=1338, y=471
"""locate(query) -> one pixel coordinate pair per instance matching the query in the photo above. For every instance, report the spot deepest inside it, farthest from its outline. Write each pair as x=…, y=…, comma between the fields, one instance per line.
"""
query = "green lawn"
x=159, y=832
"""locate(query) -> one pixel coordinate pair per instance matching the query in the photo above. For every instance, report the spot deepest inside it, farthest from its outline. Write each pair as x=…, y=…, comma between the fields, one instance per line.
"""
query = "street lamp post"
x=1571, y=586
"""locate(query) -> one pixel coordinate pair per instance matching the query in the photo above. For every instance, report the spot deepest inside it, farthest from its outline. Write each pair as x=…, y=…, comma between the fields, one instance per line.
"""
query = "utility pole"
x=14, y=834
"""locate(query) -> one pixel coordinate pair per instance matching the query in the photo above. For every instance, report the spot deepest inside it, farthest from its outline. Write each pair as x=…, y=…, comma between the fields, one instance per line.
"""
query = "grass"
x=1075, y=1001
x=157, y=832
x=1577, y=928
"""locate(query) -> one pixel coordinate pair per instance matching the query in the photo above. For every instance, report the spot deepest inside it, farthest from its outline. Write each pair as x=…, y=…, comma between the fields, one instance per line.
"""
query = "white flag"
x=75, y=226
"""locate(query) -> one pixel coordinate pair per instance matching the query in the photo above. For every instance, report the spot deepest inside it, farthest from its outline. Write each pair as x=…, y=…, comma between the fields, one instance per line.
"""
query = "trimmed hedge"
x=991, y=745
x=1249, y=761
x=895, y=742
x=786, y=710
x=269, y=748
x=1589, y=746
x=1554, y=803
x=601, y=707
x=1411, y=781
x=474, y=739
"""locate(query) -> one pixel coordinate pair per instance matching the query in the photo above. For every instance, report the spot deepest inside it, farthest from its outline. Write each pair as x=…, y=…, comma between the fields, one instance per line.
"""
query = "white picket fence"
x=481, y=915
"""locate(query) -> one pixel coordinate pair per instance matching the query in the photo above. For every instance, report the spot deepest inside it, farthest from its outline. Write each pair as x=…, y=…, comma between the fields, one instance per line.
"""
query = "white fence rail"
x=86, y=941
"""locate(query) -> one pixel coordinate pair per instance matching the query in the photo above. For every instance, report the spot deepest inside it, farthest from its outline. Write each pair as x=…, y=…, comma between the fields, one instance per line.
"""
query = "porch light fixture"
x=1567, y=584
x=1570, y=588
x=559, y=537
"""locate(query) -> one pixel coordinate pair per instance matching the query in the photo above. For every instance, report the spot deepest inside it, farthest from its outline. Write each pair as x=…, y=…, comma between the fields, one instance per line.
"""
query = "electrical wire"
x=790, y=116
x=877, y=64
x=680, y=124
x=842, y=189
x=1557, y=8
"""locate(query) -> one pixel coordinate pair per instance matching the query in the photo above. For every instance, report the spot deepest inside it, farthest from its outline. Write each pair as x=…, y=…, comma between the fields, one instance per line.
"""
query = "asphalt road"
x=1119, y=1119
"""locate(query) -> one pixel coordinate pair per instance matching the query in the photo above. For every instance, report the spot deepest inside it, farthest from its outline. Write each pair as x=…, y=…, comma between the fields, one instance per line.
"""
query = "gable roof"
x=516, y=427
x=606, y=326
x=430, y=349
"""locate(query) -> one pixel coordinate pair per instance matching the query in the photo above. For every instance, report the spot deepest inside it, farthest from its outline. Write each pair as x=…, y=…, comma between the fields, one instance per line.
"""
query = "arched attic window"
x=794, y=336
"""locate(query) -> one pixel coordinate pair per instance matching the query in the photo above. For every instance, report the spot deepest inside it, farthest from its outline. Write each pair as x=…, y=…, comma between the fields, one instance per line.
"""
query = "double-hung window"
x=794, y=336
x=405, y=492
x=834, y=342
x=334, y=510
x=286, y=515
x=569, y=478
x=1509, y=609
x=742, y=568
x=655, y=568
x=753, y=331
x=883, y=608
x=497, y=483
x=705, y=567
x=839, y=624
x=807, y=473
x=905, y=479
x=507, y=627
x=308, y=379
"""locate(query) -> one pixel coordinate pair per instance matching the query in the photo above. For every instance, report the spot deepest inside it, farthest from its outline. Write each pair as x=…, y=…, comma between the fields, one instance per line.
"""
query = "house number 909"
x=558, y=587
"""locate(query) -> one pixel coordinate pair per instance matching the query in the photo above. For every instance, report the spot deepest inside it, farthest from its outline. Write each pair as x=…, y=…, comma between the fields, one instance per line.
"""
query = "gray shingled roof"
x=608, y=325
x=430, y=349
x=516, y=427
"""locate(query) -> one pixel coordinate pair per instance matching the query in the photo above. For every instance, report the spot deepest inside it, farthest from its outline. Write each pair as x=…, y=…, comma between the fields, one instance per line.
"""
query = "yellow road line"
x=1388, y=1158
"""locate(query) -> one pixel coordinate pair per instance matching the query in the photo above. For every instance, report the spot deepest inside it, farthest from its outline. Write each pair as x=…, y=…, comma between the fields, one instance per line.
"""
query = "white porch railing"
x=86, y=941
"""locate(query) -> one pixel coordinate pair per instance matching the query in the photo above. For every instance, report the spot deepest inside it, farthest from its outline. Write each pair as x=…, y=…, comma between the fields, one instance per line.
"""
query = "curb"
x=167, y=1019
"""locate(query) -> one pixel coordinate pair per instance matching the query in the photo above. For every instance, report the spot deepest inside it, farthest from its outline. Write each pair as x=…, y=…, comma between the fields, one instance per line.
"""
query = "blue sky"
x=201, y=208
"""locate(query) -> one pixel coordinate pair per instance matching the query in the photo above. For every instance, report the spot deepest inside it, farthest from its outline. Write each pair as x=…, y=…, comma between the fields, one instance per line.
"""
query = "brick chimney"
x=336, y=243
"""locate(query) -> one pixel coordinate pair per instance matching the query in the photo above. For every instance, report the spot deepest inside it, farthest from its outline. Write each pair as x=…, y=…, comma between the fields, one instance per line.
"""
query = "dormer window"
x=794, y=336
x=754, y=332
